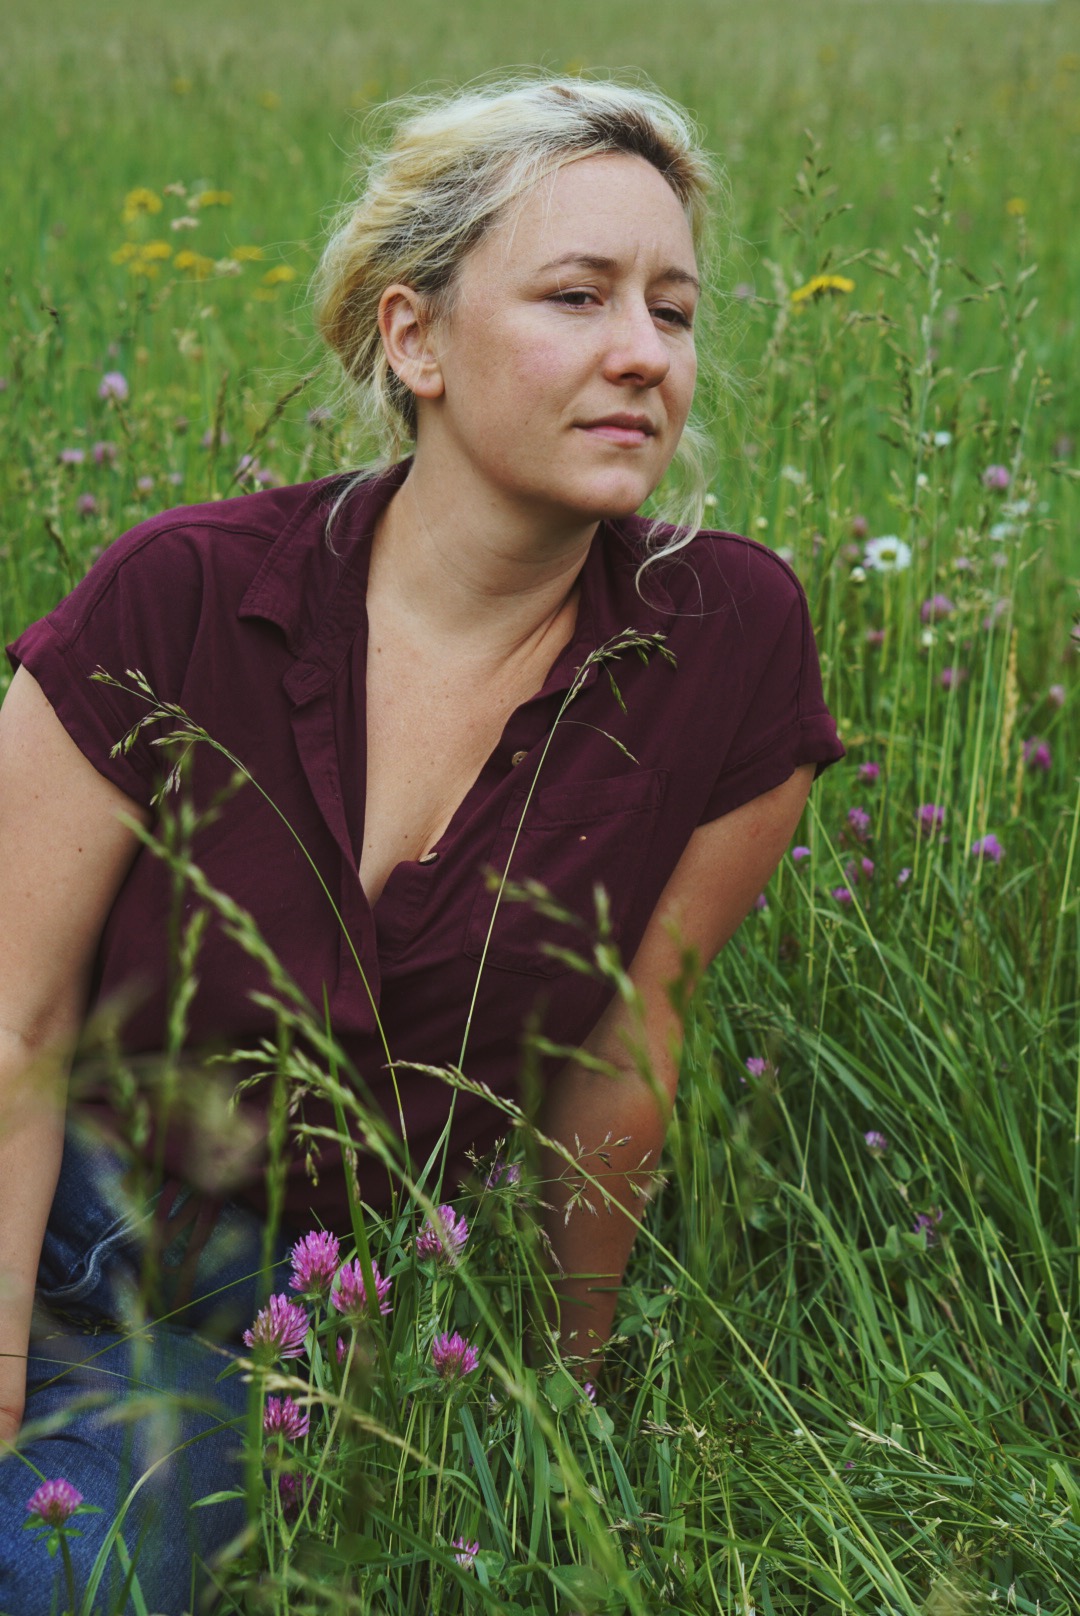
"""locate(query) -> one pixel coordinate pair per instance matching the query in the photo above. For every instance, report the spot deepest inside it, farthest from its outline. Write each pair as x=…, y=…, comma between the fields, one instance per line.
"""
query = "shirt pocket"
x=574, y=836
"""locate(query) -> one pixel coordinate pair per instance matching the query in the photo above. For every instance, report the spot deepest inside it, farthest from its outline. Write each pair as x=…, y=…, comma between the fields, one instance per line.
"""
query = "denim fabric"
x=133, y=1413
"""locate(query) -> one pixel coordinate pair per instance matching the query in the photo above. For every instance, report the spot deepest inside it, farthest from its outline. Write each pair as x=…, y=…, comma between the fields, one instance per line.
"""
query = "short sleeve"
x=135, y=610
x=784, y=721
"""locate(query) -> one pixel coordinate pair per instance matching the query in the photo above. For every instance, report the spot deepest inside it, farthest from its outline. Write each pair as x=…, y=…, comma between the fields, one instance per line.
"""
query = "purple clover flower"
x=590, y=1391
x=996, y=478
x=1056, y=695
x=465, y=1552
x=86, y=505
x=948, y=678
x=279, y=1330
x=869, y=772
x=937, y=607
x=145, y=485
x=444, y=1237
x=859, y=820
x=904, y=877
x=294, y=1492
x=1037, y=755
x=875, y=1142
x=866, y=869
x=103, y=452
x=54, y=1502
x=988, y=847
x=281, y=1417
x=800, y=853
x=926, y=1223
x=350, y=1297
x=315, y=1259
x=761, y=901
x=453, y=1356
x=113, y=385
x=71, y=457
x=757, y=1066
x=502, y=1172
x=843, y=895
x=929, y=818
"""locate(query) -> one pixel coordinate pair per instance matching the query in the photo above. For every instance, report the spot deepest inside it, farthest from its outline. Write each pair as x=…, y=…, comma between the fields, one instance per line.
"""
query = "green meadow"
x=846, y=1375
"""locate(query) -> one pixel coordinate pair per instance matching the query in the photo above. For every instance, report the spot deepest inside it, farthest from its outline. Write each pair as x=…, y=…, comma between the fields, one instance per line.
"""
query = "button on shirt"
x=250, y=617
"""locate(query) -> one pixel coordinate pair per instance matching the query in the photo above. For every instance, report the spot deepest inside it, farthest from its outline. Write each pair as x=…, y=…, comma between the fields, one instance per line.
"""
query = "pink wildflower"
x=453, y=1356
x=1056, y=695
x=294, y=1492
x=904, y=877
x=350, y=1297
x=860, y=527
x=104, y=453
x=988, y=847
x=502, y=1172
x=761, y=901
x=757, y=1066
x=996, y=478
x=876, y=1143
x=843, y=895
x=1037, y=755
x=466, y=1552
x=315, y=1260
x=54, y=1502
x=590, y=1391
x=71, y=457
x=279, y=1329
x=929, y=818
x=800, y=853
x=859, y=821
x=444, y=1236
x=926, y=1224
x=113, y=385
x=875, y=637
x=869, y=772
x=937, y=607
x=948, y=678
x=86, y=505
x=281, y=1417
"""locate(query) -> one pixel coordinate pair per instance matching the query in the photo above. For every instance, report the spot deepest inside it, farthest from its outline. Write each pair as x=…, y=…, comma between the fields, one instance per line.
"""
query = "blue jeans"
x=134, y=1414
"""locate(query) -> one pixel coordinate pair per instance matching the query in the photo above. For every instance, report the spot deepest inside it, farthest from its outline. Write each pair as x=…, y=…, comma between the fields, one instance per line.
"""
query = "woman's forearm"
x=619, y=1123
x=31, y=1144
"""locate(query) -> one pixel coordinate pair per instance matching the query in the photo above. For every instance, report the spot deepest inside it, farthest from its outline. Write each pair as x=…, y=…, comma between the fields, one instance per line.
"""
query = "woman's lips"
x=613, y=433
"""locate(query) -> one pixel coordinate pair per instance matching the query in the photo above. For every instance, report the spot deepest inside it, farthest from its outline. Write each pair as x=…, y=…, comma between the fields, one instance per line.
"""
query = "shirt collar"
x=313, y=585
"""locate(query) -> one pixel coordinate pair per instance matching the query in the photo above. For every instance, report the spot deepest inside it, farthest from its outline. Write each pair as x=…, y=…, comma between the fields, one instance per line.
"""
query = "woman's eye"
x=573, y=300
x=672, y=316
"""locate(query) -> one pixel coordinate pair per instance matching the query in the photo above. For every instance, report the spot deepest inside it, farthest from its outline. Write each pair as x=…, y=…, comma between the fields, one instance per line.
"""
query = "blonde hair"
x=453, y=165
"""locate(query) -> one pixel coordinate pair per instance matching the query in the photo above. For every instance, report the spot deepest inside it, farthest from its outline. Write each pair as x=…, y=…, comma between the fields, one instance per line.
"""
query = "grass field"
x=847, y=1375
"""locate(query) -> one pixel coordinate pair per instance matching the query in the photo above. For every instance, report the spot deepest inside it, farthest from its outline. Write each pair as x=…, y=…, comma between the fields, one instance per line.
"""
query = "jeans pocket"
x=93, y=1235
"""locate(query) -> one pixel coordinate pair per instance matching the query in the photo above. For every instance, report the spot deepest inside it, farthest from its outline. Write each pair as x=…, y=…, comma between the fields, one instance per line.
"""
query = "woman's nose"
x=636, y=350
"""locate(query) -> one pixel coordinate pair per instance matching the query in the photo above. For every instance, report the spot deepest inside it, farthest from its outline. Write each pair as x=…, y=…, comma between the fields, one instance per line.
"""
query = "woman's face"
x=567, y=361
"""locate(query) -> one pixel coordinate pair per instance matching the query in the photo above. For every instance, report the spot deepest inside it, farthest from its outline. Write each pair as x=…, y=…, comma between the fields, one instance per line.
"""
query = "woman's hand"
x=63, y=854
x=724, y=868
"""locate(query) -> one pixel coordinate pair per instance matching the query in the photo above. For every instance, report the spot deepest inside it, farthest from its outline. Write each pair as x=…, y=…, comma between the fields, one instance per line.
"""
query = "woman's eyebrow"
x=605, y=265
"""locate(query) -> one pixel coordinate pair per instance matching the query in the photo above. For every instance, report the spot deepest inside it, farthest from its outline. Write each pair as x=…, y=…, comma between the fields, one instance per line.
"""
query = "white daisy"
x=887, y=554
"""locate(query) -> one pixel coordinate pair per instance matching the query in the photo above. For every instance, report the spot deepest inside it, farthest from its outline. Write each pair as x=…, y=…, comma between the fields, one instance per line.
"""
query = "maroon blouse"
x=243, y=614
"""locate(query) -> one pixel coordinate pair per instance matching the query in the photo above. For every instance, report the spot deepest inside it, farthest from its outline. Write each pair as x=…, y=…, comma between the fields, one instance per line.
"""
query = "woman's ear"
x=406, y=331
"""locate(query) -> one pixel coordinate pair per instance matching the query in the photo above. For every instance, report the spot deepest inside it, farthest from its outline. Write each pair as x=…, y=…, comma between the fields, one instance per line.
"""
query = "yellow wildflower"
x=279, y=274
x=817, y=285
x=213, y=199
x=1016, y=207
x=155, y=249
x=196, y=264
x=124, y=253
x=139, y=201
x=270, y=100
x=247, y=255
x=144, y=267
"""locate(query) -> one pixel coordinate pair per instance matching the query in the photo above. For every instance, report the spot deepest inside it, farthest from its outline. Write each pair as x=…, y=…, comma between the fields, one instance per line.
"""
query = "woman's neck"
x=465, y=572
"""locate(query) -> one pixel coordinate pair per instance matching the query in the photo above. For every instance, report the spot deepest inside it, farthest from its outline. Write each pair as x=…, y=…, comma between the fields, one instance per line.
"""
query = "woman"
x=390, y=659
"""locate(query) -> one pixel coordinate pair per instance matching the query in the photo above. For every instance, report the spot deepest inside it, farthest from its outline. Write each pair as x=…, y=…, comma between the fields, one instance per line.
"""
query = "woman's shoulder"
x=713, y=572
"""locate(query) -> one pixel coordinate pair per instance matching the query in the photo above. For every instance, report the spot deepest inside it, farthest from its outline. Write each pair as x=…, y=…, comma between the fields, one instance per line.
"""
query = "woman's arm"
x=714, y=885
x=63, y=855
